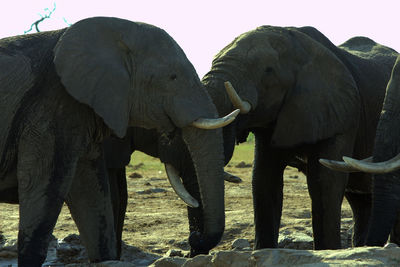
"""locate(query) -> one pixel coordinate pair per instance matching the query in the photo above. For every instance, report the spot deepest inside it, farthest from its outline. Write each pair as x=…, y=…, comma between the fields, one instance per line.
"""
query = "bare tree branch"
x=46, y=16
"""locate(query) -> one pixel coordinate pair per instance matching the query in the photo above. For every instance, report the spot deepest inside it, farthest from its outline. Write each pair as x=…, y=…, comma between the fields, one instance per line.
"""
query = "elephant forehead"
x=262, y=43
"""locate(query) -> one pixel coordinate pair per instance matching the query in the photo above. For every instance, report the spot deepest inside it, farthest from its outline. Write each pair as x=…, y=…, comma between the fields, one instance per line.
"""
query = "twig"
x=47, y=16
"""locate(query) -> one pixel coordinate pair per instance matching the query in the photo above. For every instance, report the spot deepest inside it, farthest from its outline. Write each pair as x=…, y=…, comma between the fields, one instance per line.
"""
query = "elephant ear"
x=93, y=60
x=324, y=102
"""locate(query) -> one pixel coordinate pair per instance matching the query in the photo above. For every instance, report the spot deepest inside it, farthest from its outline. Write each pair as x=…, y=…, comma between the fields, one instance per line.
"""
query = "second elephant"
x=303, y=98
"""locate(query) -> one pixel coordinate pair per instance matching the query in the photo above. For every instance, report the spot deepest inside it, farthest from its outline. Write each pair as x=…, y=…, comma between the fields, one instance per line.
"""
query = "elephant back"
x=23, y=59
x=15, y=80
x=368, y=49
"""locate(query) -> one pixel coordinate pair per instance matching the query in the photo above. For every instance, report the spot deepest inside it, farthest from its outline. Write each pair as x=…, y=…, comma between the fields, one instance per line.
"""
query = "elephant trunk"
x=386, y=194
x=207, y=154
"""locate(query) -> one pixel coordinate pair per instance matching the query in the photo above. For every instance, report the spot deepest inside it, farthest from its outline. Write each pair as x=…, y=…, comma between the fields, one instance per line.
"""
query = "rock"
x=232, y=178
x=296, y=240
x=227, y=258
x=70, y=249
x=174, y=253
x=152, y=191
x=103, y=264
x=72, y=239
x=6, y=254
x=113, y=264
x=391, y=245
x=360, y=256
x=200, y=261
x=240, y=244
x=137, y=256
x=138, y=166
x=169, y=262
x=135, y=175
x=9, y=245
x=243, y=164
x=184, y=245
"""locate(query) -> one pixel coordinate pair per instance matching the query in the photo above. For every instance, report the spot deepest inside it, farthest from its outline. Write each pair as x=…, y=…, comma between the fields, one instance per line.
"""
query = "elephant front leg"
x=89, y=202
x=267, y=194
x=326, y=189
x=119, y=198
x=44, y=177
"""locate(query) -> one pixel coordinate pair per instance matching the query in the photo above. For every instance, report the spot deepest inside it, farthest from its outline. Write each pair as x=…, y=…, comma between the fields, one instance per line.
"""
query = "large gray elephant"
x=386, y=186
x=63, y=92
x=303, y=98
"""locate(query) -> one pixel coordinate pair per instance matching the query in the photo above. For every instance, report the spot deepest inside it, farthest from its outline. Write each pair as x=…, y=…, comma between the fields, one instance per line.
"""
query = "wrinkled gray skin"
x=310, y=100
x=386, y=189
x=62, y=93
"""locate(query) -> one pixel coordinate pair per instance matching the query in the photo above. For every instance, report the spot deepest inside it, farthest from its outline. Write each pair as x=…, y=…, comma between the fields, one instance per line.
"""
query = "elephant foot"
x=201, y=244
x=193, y=253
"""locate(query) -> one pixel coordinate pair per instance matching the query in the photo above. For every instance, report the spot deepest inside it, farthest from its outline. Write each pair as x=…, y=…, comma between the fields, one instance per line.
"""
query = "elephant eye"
x=173, y=77
x=269, y=70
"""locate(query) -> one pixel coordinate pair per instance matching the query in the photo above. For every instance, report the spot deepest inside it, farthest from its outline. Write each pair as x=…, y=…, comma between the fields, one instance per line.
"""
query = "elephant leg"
x=267, y=194
x=119, y=198
x=44, y=173
x=326, y=189
x=89, y=202
x=361, y=206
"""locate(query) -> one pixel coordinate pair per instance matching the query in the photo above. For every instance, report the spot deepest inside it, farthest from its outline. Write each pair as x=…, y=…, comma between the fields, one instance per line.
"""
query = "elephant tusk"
x=176, y=183
x=237, y=102
x=340, y=165
x=375, y=167
x=209, y=124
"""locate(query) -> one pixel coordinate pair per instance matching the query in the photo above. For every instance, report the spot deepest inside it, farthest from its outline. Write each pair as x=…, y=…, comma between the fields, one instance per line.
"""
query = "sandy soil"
x=156, y=219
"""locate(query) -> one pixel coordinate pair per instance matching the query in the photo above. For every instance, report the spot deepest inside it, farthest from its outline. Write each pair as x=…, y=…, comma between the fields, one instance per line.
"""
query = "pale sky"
x=204, y=27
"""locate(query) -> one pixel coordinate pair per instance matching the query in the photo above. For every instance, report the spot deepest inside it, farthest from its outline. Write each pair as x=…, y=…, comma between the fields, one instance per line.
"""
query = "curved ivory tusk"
x=237, y=102
x=215, y=123
x=175, y=181
x=341, y=165
x=375, y=167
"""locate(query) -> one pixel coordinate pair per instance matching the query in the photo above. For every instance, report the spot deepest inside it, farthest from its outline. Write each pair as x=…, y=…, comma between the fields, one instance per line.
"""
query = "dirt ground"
x=156, y=220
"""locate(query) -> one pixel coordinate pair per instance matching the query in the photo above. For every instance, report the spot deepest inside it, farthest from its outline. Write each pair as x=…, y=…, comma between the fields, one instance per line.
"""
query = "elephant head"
x=285, y=81
x=384, y=164
x=134, y=74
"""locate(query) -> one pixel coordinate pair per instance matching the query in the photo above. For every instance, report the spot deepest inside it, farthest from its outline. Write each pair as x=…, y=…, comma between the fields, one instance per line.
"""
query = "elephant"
x=385, y=164
x=304, y=99
x=117, y=154
x=63, y=93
